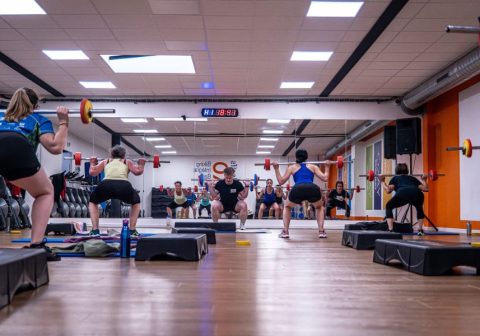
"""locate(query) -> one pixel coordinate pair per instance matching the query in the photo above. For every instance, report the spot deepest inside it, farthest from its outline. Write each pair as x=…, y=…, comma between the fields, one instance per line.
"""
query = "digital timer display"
x=220, y=112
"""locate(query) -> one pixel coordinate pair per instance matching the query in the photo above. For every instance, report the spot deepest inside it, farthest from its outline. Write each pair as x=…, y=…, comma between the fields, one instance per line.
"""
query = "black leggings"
x=413, y=196
x=334, y=203
x=207, y=207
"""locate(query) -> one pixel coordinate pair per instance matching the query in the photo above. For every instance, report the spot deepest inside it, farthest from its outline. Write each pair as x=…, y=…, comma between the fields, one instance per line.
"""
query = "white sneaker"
x=242, y=226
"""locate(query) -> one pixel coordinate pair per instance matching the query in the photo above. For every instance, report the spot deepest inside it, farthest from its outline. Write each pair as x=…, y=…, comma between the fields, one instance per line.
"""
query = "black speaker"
x=389, y=142
x=409, y=136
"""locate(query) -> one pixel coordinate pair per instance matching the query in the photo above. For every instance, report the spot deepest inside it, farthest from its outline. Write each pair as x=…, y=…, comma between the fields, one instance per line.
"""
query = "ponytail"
x=23, y=102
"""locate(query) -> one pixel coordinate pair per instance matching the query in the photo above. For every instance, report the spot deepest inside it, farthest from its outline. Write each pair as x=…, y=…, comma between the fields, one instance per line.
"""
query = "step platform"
x=186, y=246
x=21, y=269
x=365, y=240
x=63, y=229
x=211, y=239
x=380, y=226
x=427, y=257
x=220, y=226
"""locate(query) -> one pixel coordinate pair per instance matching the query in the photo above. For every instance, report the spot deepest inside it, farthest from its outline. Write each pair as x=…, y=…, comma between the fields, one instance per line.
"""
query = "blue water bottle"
x=125, y=240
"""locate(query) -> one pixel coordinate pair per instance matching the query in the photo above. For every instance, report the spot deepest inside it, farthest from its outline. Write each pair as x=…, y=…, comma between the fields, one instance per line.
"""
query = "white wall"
x=469, y=101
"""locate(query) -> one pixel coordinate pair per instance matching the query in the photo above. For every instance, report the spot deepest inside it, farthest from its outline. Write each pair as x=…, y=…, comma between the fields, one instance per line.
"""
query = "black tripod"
x=410, y=210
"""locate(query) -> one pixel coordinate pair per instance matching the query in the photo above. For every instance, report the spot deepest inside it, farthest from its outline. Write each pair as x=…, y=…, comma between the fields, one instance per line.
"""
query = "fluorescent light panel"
x=266, y=146
x=278, y=121
x=269, y=139
x=170, y=152
x=334, y=9
x=151, y=64
x=296, y=85
x=153, y=139
x=145, y=131
x=134, y=120
x=311, y=56
x=272, y=131
x=180, y=119
x=163, y=146
x=98, y=85
x=65, y=54
x=20, y=7
x=264, y=152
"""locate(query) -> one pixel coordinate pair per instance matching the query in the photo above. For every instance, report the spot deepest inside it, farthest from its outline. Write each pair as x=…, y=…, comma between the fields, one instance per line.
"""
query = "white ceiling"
x=195, y=144
x=243, y=46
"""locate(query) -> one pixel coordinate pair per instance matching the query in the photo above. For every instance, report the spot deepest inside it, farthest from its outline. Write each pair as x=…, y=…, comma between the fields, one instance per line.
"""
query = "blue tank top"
x=32, y=127
x=269, y=198
x=303, y=175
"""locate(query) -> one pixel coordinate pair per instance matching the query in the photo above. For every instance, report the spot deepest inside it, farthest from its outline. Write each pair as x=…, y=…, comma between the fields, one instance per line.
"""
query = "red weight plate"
x=78, y=158
x=433, y=175
x=339, y=161
x=267, y=164
x=371, y=175
x=156, y=161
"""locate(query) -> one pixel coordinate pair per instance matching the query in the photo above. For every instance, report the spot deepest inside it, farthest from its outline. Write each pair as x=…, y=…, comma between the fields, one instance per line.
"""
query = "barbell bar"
x=161, y=188
x=201, y=180
x=339, y=162
x=86, y=111
x=77, y=157
x=356, y=188
x=467, y=148
x=432, y=175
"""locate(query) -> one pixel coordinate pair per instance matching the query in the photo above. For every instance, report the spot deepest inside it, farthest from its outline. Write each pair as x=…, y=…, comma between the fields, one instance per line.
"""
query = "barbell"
x=432, y=175
x=201, y=180
x=77, y=157
x=268, y=163
x=357, y=189
x=86, y=111
x=161, y=188
x=467, y=148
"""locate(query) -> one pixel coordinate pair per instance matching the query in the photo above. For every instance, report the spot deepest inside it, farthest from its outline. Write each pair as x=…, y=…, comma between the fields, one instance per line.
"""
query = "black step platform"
x=427, y=257
x=186, y=246
x=220, y=226
x=364, y=239
x=21, y=269
x=211, y=239
x=66, y=229
x=380, y=226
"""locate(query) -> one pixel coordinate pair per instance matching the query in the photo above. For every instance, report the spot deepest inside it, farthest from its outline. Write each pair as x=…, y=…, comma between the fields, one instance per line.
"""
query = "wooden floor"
x=301, y=286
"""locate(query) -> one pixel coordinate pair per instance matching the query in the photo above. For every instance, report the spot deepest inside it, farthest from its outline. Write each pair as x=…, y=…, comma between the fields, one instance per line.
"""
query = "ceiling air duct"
x=466, y=67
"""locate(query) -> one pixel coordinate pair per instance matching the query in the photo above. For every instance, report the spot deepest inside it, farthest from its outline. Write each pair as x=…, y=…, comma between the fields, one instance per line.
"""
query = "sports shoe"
x=284, y=234
x=51, y=256
x=134, y=233
x=94, y=233
x=242, y=226
x=322, y=234
x=421, y=233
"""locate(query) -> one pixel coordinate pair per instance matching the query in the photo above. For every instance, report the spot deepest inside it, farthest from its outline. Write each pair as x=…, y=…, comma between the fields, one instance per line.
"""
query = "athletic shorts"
x=17, y=157
x=174, y=205
x=228, y=206
x=115, y=189
x=305, y=192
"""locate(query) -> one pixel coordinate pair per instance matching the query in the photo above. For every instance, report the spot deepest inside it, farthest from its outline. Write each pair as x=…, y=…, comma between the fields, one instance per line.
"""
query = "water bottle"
x=125, y=240
x=469, y=228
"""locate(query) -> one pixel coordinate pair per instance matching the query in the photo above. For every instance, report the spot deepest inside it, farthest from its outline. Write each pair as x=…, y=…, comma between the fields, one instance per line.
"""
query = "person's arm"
x=321, y=175
x=243, y=194
x=388, y=188
x=424, y=186
x=136, y=169
x=350, y=195
x=282, y=179
x=96, y=169
x=54, y=143
x=213, y=192
x=260, y=194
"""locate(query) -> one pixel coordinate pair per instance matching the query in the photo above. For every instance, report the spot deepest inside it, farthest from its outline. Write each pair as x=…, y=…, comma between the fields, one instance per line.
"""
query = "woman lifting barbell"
x=115, y=185
x=268, y=200
x=303, y=190
x=20, y=133
x=408, y=190
x=338, y=198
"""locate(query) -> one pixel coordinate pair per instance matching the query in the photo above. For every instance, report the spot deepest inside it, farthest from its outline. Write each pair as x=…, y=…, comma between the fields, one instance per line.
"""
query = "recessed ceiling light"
x=269, y=139
x=272, y=131
x=311, y=55
x=163, y=146
x=98, y=85
x=334, y=9
x=211, y=146
x=278, y=121
x=180, y=119
x=153, y=139
x=134, y=120
x=170, y=152
x=150, y=64
x=296, y=85
x=20, y=7
x=66, y=54
x=266, y=146
x=264, y=152
x=145, y=131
